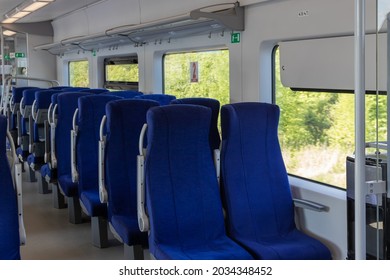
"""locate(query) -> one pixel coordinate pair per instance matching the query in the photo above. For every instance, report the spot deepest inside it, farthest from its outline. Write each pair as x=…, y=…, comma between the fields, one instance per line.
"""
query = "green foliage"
x=213, y=75
x=78, y=73
x=122, y=73
x=316, y=130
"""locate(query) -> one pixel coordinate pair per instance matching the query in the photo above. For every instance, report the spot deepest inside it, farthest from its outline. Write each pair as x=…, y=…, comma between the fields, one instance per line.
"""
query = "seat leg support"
x=43, y=186
x=59, y=201
x=74, y=210
x=32, y=175
x=99, y=229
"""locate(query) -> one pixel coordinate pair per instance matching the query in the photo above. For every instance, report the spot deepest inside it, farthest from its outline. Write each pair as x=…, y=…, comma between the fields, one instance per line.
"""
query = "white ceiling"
x=50, y=12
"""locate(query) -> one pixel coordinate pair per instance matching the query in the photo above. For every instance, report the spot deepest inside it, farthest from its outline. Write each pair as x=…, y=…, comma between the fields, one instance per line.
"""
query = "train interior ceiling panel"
x=122, y=120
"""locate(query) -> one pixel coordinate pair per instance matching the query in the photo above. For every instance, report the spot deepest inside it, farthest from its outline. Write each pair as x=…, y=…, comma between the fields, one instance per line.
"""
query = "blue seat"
x=259, y=205
x=182, y=193
x=125, y=93
x=39, y=113
x=125, y=119
x=9, y=222
x=213, y=104
x=39, y=137
x=91, y=109
x=66, y=105
x=24, y=125
x=49, y=169
x=17, y=94
x=163, y=99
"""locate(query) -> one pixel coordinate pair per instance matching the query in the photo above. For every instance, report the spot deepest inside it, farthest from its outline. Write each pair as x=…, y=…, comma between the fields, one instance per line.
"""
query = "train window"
x=121, y=73
x=78, y=73
x=316, y=130
x=198, y=74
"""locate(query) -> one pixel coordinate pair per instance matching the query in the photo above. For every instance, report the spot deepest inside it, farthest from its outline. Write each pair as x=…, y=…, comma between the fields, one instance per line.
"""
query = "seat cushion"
x=219, y=249
x=294, y=246
x=91, y=202
x=49, y=174
x=21, y=153
x=32, y=160
x=67, y=186
x=127, y=228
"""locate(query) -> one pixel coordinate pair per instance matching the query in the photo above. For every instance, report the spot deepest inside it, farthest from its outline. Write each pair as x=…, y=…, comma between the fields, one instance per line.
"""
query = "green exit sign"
x=20, y=55
x=235, y=38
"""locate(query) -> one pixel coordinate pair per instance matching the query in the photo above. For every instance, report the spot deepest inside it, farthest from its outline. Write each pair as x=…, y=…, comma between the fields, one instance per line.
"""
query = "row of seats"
x=183, y=202
x=78, y=118
x=95, y=142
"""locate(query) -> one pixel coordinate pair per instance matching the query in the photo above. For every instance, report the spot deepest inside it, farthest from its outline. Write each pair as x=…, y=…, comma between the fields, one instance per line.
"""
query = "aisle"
x=51, y=237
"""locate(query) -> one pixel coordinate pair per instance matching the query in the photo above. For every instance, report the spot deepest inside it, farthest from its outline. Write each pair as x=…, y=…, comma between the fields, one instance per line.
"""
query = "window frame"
x=120, y=85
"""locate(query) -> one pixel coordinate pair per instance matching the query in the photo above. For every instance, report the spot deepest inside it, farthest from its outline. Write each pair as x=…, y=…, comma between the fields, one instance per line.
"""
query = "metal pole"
x=360, y=180
x=388, y=103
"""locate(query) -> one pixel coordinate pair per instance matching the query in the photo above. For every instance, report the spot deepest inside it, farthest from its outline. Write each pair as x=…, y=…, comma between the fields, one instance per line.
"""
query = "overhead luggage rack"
x=207, y=20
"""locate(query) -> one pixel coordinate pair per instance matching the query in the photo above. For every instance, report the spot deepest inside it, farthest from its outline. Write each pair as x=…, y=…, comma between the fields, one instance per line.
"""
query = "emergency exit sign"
x=17, y=55
x=235, y=38
x=20, y=55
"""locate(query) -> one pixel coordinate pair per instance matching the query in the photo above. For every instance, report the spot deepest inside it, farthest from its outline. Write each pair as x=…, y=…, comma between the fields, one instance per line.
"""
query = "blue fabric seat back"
x=249, y=137
x=17, y=93
x=28, y=100
x=260, y=210
x=95, y=90
x=163, y=99
x=91, y=110
x=125, y=119
x=67, y=104
x=54, y=98
x=29, y=96
x=213, y=104
x=43, y=98
x=125, y=93
x=182, y=192
x=9, y=233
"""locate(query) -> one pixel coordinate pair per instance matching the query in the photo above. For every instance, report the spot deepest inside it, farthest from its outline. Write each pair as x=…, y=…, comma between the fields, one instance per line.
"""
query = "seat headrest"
x=163, y=99
x=29, y=96
x=17, y=92
x=43, y=98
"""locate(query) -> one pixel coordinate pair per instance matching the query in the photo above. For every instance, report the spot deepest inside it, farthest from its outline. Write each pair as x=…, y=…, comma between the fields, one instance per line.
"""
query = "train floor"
x=50, y=236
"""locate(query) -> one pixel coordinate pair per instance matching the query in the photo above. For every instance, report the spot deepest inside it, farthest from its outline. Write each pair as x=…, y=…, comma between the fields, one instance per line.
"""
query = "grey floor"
x=51, y=237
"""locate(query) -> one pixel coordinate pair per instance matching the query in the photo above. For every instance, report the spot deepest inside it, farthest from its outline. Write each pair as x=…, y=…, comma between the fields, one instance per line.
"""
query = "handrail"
x=7, y=85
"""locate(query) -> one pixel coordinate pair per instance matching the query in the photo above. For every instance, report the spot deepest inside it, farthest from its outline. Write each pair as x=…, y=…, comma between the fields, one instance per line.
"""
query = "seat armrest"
x=47, y=141
x=217, y=162
x=143, y=219
x=307, y=204
x=103, y=195
x=73, y=143
x=16, y=168
x=53, y=124
x=19, y=127
x=31, y=134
